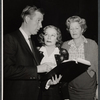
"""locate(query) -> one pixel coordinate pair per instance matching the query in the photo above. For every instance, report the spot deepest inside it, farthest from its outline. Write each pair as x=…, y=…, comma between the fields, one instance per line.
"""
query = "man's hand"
x=51, y=64
x=45, y=67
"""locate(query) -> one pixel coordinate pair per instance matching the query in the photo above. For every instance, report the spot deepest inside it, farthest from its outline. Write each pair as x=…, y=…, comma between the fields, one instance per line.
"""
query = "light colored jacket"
x=91, y=54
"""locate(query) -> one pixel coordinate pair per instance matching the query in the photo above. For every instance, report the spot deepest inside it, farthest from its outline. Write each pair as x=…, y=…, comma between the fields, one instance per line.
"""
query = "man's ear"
x=27, y=18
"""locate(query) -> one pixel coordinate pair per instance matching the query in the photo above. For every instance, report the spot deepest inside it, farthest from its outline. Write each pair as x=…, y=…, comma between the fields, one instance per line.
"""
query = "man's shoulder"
x=12, y=34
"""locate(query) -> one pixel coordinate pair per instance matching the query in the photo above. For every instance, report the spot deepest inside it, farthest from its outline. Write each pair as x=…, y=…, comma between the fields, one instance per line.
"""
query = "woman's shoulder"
x=66, y=45
x=91, y=42
x=66, y=42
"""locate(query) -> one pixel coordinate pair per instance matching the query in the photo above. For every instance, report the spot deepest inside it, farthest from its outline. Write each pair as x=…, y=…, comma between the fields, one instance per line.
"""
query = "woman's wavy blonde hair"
x=59, y=36
x=78, y=19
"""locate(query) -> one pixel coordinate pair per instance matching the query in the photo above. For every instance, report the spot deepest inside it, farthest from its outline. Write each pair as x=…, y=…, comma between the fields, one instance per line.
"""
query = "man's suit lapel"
x=35, y=54
x=23, y=42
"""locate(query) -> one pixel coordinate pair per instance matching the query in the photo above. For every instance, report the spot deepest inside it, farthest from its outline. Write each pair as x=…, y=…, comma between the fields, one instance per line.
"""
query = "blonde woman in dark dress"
x=52, y=52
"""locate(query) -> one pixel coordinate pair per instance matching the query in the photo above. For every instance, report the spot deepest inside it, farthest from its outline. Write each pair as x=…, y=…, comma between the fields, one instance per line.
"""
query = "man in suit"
x=21, y=60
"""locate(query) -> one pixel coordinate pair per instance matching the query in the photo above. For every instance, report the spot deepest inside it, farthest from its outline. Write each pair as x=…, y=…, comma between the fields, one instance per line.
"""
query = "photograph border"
x=1, y=36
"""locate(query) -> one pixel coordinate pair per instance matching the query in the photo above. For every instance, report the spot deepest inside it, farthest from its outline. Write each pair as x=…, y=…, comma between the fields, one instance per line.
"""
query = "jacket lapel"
x=35, y=52
x=23, y=42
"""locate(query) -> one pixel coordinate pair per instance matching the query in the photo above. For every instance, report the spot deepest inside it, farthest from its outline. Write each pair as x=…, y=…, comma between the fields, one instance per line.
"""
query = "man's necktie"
x=34, y=51
x=31, y=45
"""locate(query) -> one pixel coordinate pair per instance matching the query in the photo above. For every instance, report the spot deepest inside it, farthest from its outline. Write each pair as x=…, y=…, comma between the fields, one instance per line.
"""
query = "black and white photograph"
x=49, y=50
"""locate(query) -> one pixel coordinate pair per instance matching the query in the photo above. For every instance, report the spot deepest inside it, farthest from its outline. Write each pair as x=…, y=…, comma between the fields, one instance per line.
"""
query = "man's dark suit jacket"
x=20, y=71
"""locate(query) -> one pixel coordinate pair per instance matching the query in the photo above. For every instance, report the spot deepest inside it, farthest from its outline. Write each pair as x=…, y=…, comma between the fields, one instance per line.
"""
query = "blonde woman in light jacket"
x=85, y=86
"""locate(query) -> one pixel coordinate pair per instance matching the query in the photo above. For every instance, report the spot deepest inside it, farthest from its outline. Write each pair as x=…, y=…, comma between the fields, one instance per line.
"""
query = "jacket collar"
x=71, y=42
x=56, y=50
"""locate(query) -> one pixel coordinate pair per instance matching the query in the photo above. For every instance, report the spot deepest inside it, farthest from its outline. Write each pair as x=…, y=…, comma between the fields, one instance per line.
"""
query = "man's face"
x=35, y=23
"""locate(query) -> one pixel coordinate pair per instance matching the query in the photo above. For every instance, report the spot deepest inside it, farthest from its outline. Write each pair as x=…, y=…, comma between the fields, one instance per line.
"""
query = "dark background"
x=56, y=13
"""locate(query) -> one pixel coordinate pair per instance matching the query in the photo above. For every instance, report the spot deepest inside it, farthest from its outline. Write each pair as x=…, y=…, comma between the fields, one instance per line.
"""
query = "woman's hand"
x=97, y=93
x=53, y=81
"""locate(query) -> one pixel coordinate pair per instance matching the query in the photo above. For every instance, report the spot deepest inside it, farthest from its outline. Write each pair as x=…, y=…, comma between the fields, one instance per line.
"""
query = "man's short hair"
x=30, y=10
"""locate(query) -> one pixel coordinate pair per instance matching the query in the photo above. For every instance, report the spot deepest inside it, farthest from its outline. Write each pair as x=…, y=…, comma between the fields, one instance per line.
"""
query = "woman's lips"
x=49, y=41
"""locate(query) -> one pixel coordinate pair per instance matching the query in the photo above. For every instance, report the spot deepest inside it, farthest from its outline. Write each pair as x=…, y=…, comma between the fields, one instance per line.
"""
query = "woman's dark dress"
x=60, y=90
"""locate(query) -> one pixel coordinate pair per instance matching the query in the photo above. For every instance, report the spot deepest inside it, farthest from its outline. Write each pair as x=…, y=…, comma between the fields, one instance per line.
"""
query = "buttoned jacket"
x=20, y=68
